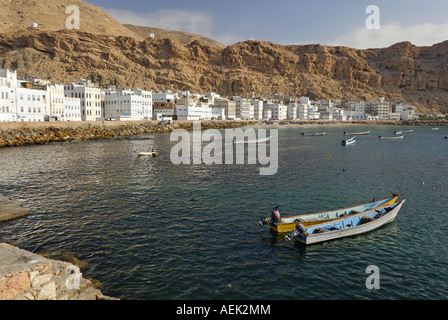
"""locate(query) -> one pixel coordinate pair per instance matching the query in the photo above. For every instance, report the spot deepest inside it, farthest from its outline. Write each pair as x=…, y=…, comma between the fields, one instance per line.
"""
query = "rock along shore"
x=21, y=134
x=28, y=276
x=31, y=133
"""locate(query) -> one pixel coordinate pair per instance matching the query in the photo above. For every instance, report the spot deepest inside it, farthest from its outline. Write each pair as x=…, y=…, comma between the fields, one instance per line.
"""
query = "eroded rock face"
x=402, y=72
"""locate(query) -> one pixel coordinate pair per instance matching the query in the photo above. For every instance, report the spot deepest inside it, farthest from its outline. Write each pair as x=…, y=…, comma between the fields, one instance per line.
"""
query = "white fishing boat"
x=263, y=140
x=348, y=226
x=358, y=133
x=391, y=137
x=434, y=129
x=309, y=134
x=148, y=154
x=349, y=141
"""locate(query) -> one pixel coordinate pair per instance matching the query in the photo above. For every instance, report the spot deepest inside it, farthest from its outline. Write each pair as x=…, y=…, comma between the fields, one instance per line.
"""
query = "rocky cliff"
x=403, y=72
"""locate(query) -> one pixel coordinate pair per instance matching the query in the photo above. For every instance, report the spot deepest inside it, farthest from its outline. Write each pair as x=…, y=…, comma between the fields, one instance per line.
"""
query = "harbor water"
x=152, y=230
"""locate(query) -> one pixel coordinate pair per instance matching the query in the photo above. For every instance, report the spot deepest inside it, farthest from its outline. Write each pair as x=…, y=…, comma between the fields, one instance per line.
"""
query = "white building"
x=8, y=85
x=31, y=104
x=196, y=112
x=278, y=111
x=292, y=111
x=55, y=101
x=258, y=109
x=128, y=104
x=244, y=109
x=302, y=111
x=8, y=112
x=90, y=99
x=72, y=109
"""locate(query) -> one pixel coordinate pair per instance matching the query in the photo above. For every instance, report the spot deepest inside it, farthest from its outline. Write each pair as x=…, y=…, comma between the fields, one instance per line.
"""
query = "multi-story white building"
x=194, y=112
x=128, y=104
x=8, y=86
x=258, y=109
x=278, y=110
x=72, y=109
x=302, y=111
x=379, y=109
x=292, y=111
x=31, y=103
x=55, y=101
x=244, y=109
x=90, y=99
x=357, y=111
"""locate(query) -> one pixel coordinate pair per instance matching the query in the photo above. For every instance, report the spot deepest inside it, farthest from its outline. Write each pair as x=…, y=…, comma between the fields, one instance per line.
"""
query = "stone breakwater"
x=21, y=134
x=28, y=276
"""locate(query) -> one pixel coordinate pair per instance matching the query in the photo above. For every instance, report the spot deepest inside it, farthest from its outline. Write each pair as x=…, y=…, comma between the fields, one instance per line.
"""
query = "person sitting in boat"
x=275, y=217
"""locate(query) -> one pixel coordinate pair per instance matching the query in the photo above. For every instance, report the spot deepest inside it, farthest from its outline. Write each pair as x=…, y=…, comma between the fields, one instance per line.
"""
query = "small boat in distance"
x=287, y=224
x=348, y=226
x=308, y=134
x=237, y=141
x=387, y=137
x=349, y=141
x=358, y=133
x=434, y=128
x=446, y=137
x=403, y=131
x=152, y=153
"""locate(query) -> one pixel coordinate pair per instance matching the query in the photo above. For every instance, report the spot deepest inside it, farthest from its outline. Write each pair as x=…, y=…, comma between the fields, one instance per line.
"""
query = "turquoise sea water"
x=153, y=230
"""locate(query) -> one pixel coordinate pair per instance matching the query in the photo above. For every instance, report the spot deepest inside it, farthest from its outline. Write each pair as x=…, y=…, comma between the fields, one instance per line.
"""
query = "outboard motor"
x=275, y=217
x=300, y=229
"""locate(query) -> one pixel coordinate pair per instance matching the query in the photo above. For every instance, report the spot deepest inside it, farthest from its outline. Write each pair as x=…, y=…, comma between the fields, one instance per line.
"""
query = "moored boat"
x=308, y=134
x=399, y=132
x=349, y=141
x=348, y=226
x=394, y=137
x=263, y=140
x=288, y=224
x=358, y=133
x=434, y=128
x=150, y=154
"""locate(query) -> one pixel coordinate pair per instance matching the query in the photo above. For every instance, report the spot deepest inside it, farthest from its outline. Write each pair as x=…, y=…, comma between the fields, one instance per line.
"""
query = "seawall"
x=30, y=133
x=20, y=134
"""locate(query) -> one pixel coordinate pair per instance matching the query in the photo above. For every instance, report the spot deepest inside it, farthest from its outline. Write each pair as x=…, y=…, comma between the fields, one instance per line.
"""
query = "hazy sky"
x=331, y=22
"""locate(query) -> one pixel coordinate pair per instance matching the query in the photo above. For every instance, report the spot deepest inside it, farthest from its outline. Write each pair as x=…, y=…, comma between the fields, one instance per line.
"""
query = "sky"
x=327, y=22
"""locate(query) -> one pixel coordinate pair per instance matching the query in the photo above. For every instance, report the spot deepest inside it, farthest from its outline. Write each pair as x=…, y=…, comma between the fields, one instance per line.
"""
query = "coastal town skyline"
x=35, y=99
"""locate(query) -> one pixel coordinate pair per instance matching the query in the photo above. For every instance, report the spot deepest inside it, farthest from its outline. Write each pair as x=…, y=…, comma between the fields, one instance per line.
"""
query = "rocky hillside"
x=181, y=36
x=401, y=72
x=50, y=15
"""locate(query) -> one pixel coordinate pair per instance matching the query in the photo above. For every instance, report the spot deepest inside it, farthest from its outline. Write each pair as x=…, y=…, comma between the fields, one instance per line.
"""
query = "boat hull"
x=349, y=141
x=352, y=231
x=390, y=138
x=313, y=134
x=358, y=133
x=147, y=154
x=288, y=224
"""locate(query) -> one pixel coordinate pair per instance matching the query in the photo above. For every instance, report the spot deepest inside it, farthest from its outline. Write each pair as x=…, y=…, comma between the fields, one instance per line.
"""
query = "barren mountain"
x=50, y=15
x=402, y=72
